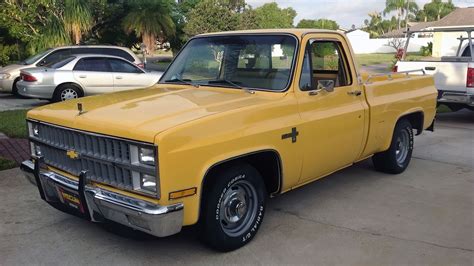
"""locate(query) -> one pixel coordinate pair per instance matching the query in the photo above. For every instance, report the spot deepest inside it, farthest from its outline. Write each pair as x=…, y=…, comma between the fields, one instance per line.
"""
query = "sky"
x=345, y=12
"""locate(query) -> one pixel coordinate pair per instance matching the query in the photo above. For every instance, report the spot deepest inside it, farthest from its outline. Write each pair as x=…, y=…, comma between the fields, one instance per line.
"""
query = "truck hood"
x=142, y=114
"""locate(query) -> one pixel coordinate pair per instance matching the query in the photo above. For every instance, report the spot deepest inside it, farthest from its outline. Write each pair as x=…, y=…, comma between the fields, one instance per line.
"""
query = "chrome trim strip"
x=148, y=144
x=389, y=75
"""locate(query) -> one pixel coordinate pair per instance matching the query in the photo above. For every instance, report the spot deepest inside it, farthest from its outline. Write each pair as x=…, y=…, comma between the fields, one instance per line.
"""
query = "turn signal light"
x=183, y=193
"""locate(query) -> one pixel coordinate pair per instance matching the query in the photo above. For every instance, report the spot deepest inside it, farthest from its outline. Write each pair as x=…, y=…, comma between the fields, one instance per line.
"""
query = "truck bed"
x=392, y=96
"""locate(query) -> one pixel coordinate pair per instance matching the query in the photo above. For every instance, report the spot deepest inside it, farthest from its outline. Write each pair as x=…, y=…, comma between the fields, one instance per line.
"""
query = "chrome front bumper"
x=456, y=97
x=101, y=204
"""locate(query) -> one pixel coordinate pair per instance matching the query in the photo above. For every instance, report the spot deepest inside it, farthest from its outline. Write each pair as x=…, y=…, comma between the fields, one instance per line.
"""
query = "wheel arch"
x=416, y=119
x=69, y=83
x=267, y=162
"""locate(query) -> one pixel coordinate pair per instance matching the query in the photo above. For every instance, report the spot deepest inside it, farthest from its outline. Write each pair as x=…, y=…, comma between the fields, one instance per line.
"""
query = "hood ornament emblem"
x=80, y=109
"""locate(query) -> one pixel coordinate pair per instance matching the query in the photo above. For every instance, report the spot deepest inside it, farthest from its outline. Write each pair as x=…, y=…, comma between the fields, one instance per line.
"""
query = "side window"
x=55, y=56
x=123, y=67
x=84, y=50
x=467, y=52
x=121, y=53
x=92, y=64
x=324, y=60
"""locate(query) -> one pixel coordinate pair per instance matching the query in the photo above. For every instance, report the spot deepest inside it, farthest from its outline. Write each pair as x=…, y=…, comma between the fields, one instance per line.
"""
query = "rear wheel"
x=233, y=208
x=396, y=159
x=67, y=92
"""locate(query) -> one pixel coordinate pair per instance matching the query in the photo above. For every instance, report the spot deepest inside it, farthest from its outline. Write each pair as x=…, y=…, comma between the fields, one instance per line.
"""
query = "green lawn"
x=13, y=124
x=6, y=164
x=373, y=59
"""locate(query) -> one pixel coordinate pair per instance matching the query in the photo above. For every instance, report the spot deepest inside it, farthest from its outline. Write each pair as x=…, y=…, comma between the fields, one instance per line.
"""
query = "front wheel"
x=233, y=208
x=396, y=159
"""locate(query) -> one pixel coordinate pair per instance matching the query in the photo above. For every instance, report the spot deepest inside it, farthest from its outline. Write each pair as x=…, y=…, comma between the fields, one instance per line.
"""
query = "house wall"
x=363, y=44
x=446, y=43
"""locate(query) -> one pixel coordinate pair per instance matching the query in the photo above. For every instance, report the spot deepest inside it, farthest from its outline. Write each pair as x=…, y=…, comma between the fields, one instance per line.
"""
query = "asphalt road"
x=354, y=217
x=11, y=102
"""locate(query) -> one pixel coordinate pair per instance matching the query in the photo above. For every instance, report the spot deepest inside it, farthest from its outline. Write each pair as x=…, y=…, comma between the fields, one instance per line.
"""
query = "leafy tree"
x=270, y=16
x=77, y=18
x=378, y=26
x=435, y=10
x=180, y=16
x=318, y=24
x=211, y=16
x=400, y=7
x=150, y=20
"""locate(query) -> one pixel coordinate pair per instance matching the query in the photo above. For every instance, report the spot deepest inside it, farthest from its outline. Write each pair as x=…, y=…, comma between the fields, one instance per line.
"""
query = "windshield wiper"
x=232, y=83
x=185, y=81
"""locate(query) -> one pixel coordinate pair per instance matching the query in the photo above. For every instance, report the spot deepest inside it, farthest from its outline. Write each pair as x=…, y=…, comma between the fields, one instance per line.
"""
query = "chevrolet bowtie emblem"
x=72, y=154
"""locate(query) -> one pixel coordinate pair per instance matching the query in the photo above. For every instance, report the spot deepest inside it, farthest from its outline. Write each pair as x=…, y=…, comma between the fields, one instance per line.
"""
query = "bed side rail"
x=390, y=74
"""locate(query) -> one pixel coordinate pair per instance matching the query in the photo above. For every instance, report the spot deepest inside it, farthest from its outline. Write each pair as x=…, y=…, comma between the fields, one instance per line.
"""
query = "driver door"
x=332, y=107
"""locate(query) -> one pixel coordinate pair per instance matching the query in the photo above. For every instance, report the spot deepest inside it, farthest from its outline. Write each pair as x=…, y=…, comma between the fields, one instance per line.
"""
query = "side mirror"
x=42, y=63
x=326, y=84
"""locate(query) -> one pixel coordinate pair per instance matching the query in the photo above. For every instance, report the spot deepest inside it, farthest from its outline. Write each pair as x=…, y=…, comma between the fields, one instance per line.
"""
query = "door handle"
x=118, y=77
x=82, y=76
x=355, y=93
x=430, y=68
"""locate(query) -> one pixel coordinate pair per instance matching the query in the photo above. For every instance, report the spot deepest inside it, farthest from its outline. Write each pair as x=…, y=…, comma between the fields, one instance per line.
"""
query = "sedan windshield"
x=262, y=62
x=35, y=58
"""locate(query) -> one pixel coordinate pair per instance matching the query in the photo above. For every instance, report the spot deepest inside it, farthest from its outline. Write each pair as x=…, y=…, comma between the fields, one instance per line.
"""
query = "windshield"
x=35, y=57
x=243, y=61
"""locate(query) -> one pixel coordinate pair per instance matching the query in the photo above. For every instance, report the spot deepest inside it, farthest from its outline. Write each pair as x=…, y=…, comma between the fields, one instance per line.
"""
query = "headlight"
x=33, y=129
x=146, y=156
x=148, y=182
x=4, y=75
x=35, y=149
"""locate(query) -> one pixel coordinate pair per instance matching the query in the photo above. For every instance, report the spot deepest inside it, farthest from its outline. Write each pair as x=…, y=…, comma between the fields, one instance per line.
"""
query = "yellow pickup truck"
x=236, y=118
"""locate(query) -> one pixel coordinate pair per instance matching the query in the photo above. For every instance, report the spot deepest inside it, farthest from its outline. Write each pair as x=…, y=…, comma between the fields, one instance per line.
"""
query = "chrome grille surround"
x=106, y=159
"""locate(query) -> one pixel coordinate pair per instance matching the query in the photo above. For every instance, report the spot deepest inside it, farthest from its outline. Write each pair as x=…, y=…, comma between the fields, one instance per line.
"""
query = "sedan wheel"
x=68, y=94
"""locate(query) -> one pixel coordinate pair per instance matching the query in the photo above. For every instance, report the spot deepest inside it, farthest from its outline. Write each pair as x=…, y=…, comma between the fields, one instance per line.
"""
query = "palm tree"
x=400, y=6
x=438, y=9
x=150, y=19
x=77, y=18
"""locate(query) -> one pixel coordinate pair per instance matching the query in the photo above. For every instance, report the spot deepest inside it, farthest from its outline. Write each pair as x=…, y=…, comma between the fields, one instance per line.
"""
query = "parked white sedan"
x=83, y=75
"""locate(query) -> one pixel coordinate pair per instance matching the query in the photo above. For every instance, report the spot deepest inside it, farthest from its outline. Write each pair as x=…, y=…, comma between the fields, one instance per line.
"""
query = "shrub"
x=8, y=53
x=427, y=50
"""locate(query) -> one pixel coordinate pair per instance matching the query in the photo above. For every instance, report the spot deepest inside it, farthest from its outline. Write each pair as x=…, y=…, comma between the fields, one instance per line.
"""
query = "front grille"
x=106, y=159
x=100, y=171
x=95, y=146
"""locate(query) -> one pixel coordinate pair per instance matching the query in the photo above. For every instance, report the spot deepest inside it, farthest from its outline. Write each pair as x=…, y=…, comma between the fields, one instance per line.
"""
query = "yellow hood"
x=141, y=114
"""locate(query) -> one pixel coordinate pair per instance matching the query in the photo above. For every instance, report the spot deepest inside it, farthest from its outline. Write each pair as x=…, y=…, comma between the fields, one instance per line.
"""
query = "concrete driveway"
x=356, y=216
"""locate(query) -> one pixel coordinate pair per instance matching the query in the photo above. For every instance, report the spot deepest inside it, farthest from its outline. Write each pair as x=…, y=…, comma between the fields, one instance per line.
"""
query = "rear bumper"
x=35, y=90
x=456, y=97
x=102, y=204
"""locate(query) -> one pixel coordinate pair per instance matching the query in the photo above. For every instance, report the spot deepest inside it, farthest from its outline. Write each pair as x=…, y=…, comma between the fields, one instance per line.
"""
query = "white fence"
x=362, y=44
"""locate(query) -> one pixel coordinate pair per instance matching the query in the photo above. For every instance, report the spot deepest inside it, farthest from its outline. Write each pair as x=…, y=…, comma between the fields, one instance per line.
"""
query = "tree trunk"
x=398, y=19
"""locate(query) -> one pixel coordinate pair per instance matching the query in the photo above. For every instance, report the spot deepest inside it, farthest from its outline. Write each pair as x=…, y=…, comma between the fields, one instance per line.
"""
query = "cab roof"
x=295, y=31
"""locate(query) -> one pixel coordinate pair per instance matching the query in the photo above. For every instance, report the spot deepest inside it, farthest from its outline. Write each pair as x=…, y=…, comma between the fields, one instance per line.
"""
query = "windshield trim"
x=292, y=67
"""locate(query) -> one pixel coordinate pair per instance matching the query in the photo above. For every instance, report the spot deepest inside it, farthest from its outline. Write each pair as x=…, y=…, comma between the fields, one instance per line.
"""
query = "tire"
x=15, y=90
x=66, y=92
x=396, y=159
x=233, y=208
